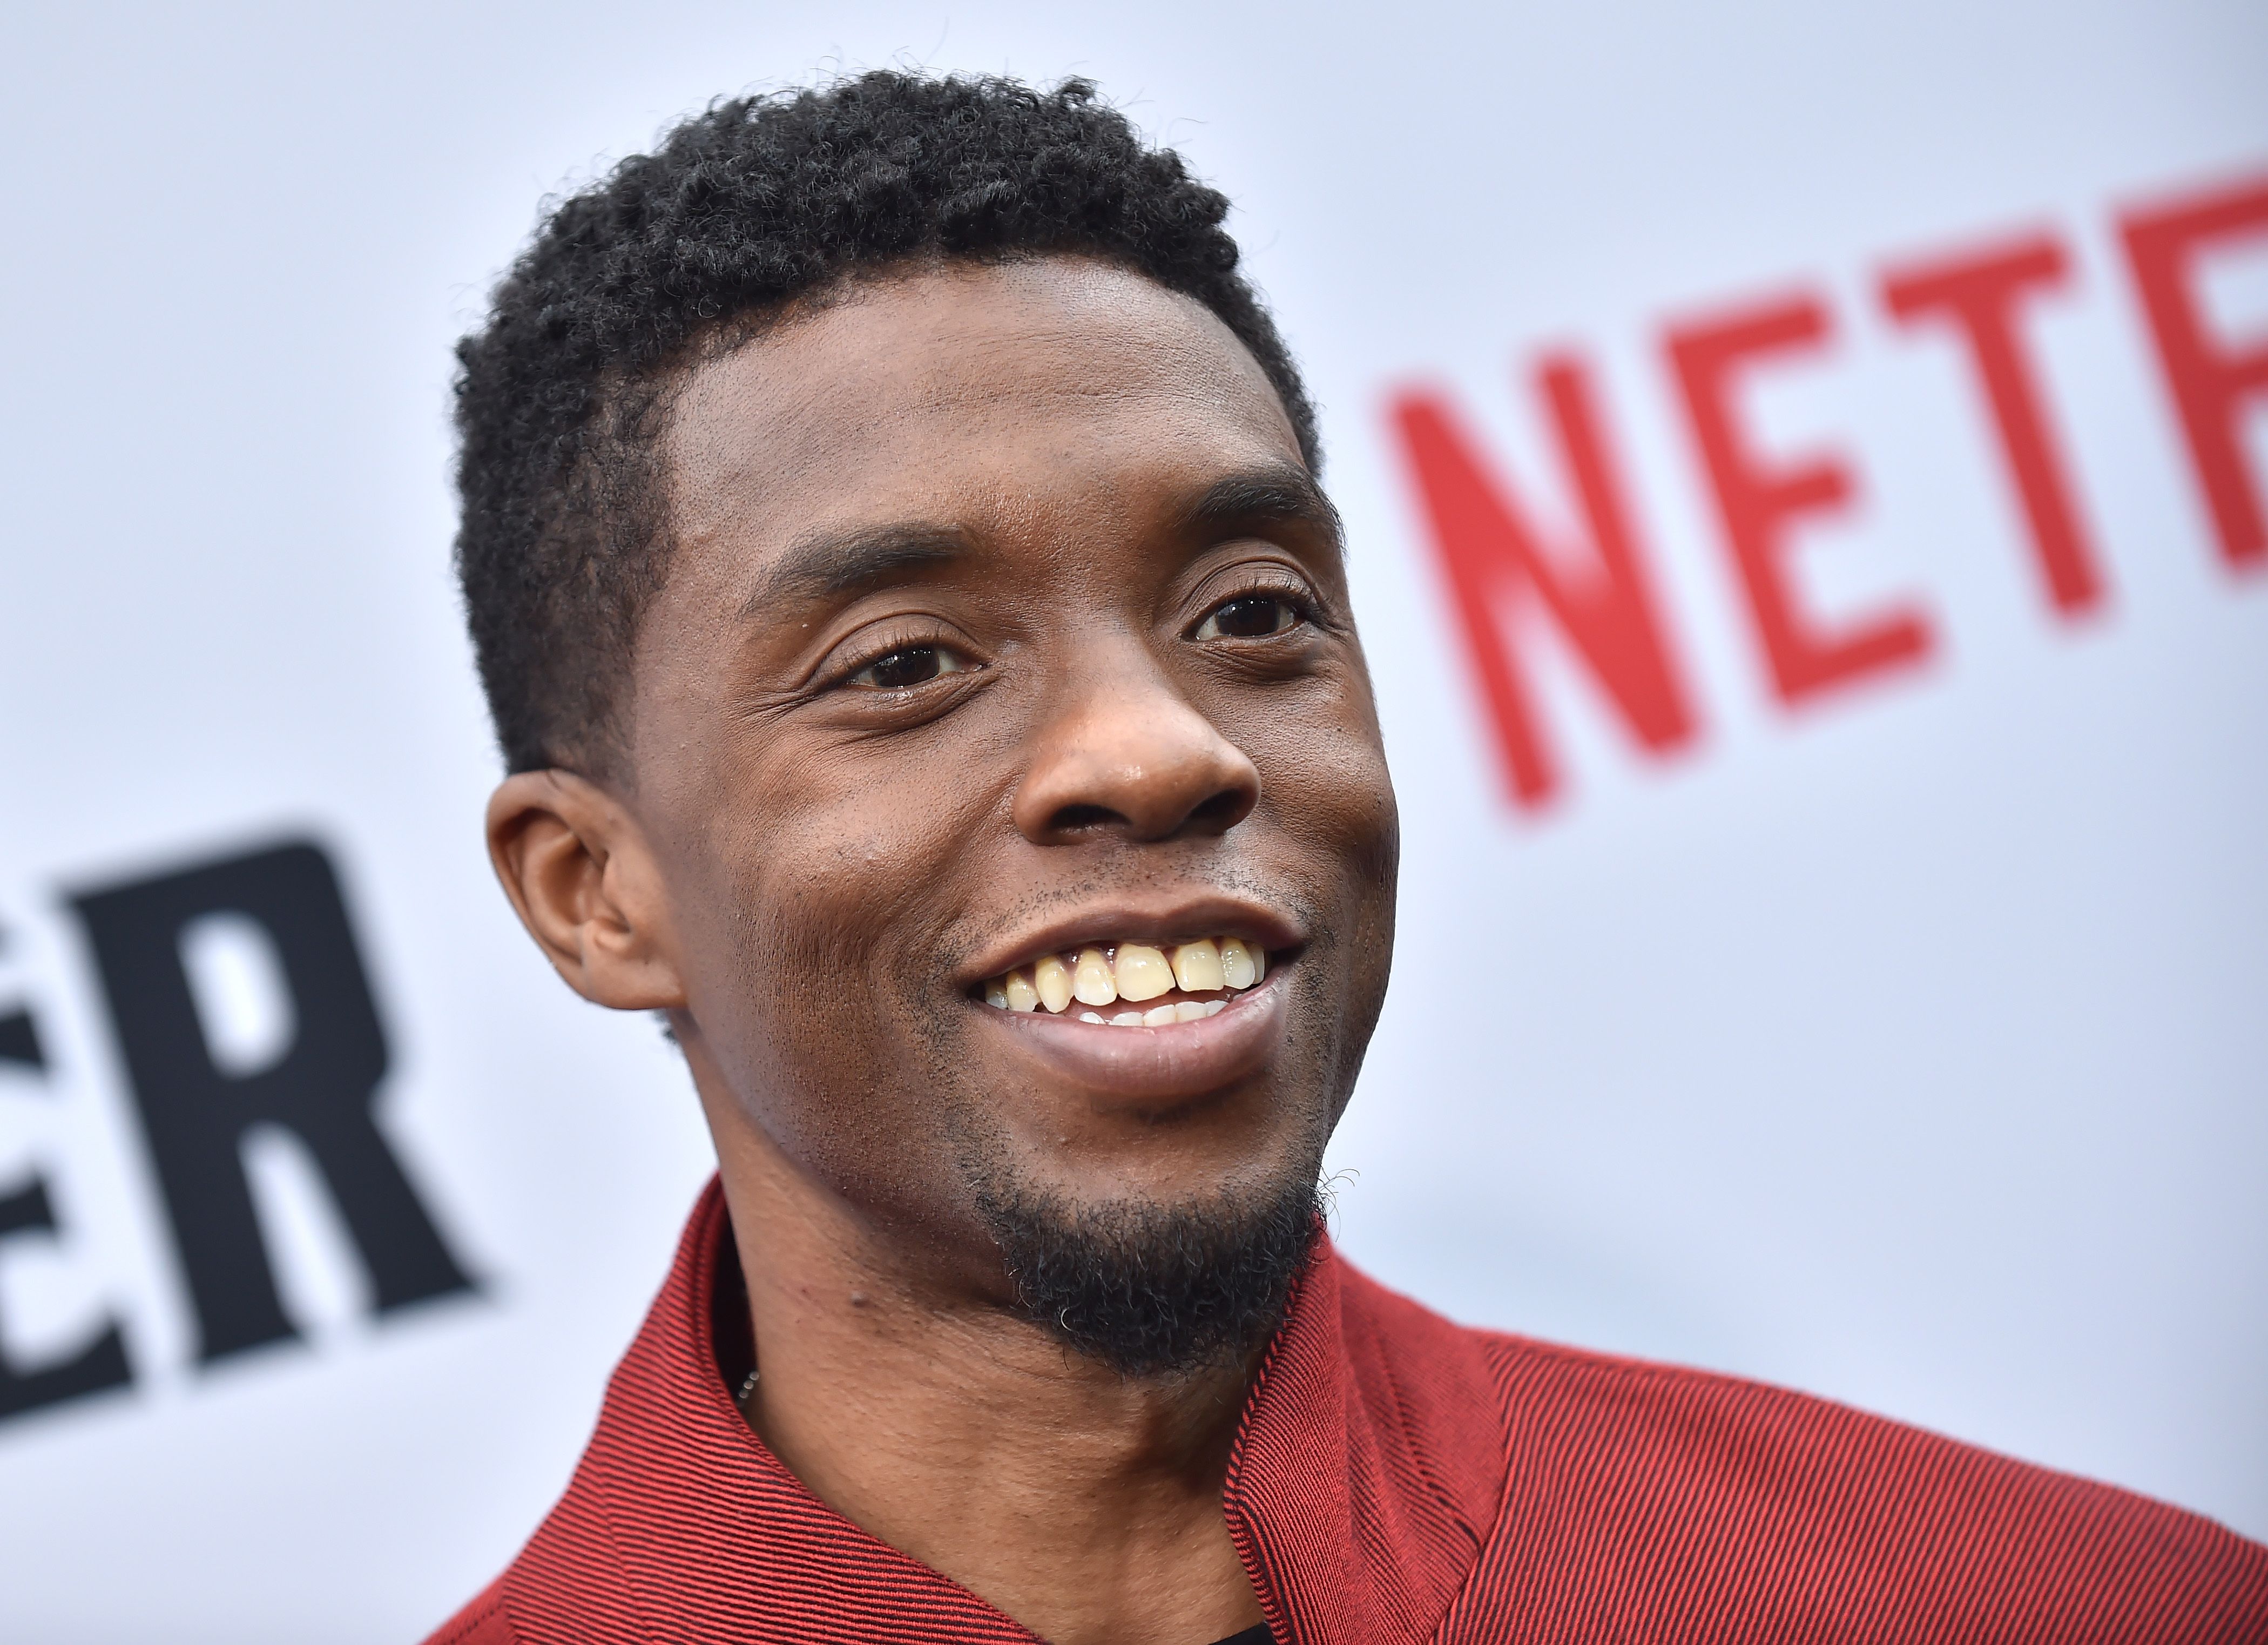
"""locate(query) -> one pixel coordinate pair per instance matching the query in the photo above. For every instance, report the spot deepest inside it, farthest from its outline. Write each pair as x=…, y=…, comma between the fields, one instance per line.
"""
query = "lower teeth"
x=1187, y=1011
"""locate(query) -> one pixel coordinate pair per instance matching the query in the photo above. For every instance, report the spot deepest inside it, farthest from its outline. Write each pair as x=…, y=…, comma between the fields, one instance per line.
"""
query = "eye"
x=1249, y=617
x=909, y=664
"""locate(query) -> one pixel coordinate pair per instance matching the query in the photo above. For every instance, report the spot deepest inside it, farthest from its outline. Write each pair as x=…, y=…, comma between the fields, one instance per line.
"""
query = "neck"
x=1085, y=1504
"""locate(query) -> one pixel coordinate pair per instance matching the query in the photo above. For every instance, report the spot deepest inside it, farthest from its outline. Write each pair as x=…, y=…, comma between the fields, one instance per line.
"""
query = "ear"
x=577, y=869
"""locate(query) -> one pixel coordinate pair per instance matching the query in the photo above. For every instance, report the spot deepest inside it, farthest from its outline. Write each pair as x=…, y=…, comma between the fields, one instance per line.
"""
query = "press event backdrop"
x=1805, y=467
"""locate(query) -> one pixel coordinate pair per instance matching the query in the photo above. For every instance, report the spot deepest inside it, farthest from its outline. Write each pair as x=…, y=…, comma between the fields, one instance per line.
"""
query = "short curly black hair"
x=738, y=211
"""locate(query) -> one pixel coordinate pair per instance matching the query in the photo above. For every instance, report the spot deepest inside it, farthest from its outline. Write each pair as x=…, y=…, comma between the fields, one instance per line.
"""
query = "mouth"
x=1143, y=1023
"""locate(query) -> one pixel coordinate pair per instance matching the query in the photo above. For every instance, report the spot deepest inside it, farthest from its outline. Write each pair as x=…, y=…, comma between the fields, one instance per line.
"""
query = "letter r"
x=322, y=1089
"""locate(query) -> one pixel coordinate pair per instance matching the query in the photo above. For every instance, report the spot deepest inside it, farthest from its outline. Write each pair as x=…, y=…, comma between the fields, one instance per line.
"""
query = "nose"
x=1131, y=756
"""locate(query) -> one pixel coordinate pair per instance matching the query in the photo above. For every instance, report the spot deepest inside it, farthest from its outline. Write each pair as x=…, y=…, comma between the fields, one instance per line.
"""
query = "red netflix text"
x=1602, y=597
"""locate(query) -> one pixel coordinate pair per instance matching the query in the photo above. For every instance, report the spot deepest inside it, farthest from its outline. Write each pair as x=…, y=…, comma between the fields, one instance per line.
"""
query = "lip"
x=1149, y=1067
x=1163, y=921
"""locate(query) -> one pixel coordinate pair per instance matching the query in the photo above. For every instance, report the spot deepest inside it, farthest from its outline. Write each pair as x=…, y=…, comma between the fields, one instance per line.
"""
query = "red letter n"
x=1496, y=565
x=1977, y=294
x=2210, y=383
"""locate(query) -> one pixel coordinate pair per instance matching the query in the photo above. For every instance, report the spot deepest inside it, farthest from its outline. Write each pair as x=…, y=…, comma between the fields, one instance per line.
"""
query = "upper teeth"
x=1104, y=974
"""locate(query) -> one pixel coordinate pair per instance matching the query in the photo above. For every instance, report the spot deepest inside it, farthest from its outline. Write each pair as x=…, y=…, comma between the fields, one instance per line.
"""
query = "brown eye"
x=909, y=665
x=1249, y=617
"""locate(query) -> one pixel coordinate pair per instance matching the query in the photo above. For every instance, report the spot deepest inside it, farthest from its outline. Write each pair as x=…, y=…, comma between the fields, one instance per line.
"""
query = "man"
x=922, y=651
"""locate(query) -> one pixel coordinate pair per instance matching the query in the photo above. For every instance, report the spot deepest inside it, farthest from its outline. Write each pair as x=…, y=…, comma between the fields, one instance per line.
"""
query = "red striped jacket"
x=1401, y=1478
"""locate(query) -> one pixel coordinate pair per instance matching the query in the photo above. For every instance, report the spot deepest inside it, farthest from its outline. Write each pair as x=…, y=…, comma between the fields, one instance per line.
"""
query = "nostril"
x=1222, y=807
x=1072, y=819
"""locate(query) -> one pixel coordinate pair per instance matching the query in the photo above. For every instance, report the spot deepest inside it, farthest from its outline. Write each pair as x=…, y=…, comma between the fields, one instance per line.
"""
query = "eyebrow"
x=1278, y=495
x=828, y=564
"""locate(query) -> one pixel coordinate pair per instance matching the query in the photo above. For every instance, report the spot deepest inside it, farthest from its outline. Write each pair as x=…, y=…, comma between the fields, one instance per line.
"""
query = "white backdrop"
x=1908, y=1045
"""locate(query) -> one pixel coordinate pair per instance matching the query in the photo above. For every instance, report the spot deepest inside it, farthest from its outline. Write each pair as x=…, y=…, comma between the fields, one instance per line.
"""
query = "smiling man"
x=922, y=652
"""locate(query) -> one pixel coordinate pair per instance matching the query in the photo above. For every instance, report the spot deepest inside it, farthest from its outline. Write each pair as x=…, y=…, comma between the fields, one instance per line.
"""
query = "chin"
x=1155, y=1284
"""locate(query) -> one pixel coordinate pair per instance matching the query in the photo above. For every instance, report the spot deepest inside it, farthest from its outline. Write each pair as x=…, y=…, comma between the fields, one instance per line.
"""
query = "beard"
x=1153, y=1290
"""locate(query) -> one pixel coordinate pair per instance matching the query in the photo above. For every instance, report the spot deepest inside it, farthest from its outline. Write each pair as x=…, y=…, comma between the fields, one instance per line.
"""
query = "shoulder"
x=1629, y=1481
x=1850, y=1521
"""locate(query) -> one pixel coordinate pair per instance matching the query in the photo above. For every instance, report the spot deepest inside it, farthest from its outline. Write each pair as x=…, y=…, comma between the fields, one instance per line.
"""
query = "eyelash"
x=1298, y=600
x=931, y=639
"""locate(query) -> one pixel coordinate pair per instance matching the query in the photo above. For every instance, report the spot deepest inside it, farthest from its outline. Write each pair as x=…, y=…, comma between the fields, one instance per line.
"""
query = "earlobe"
x=577, y=869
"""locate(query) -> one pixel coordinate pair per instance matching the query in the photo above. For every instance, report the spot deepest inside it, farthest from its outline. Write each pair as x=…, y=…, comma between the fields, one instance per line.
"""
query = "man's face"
x=1004, y=623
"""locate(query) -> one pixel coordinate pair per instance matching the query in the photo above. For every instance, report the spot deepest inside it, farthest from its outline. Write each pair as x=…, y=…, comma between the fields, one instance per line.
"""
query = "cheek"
x=803, y=923
x=1326, y=787
x=1324, y=780
x=800, y=996
x=816, y=915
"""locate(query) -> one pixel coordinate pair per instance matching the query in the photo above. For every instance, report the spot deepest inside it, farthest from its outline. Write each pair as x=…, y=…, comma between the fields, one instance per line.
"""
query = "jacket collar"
x=1359, y=1495
x=1370, y=1466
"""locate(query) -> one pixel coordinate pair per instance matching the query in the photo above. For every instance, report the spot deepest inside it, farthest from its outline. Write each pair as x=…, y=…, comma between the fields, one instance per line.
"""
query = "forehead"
x=977, y=390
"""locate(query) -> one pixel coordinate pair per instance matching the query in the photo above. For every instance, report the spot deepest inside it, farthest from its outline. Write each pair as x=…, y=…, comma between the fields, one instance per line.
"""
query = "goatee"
x=1155, y=1290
